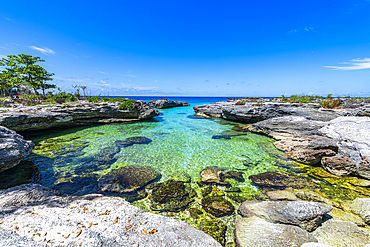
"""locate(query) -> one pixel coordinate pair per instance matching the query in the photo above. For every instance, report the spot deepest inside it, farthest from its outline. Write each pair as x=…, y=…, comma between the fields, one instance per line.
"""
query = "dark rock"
x=180, y=176
x=171, y=196
x=257, y=232
x=363, y=169
x=217, y=206
x=106, y=155
x=133, y=140
x=13, y=148
x=308, y=156
x=127, y=179
x=226, y=137
x=278, y=180
x=313, y=142
x=195, y=213
x=215, y=228
x=164, y=103
x=307, y=215
x=338, y=165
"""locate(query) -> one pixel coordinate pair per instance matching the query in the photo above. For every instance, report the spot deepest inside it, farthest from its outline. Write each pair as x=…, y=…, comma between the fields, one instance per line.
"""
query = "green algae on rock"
x=171, y=196
x=127, y=179
x=217, y=206
x=215, y=228
x=279, y=180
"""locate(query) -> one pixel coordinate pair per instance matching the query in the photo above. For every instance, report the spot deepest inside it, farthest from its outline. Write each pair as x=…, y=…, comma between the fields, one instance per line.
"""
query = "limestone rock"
x=363, y=169
x=164, y=103
x=308, y=156
x=361, y=207
x=341, y=234
x=43, y=216
x=252, y=113
x=307, y=215
x=342, y=215
x=127, y=179
x=282, y=128
x=314, y=245
x=13, y=148
x=314, y=142
x=310, y=195
x=256, y=232
x=72, y=114
x=338, y=165
x=352, y=135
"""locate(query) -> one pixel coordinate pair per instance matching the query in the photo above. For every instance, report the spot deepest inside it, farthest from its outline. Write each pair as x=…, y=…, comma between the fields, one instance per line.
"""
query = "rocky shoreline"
x=332, y=146
x=29, y=118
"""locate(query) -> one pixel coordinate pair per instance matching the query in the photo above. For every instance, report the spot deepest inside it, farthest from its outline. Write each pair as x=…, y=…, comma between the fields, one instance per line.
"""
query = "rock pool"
x=178, y=145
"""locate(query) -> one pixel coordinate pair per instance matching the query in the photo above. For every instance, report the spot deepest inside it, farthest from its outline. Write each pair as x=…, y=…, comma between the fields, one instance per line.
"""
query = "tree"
x=10, y=76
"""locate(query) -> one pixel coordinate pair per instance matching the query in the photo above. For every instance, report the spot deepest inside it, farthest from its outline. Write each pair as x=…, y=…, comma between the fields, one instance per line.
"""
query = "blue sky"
x=196, y=48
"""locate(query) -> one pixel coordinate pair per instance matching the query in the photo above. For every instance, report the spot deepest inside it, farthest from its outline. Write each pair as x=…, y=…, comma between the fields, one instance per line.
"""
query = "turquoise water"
x=180, y=143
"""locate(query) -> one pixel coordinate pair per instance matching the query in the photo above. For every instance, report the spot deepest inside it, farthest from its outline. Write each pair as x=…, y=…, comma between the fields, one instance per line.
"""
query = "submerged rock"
x=308, y=156
x=133, y=140
x=217, y=206
x=257, y=232
x=214, y=228
x=127, y=179
x=172, y=196
x=338, y=165
x=13, y=148
x=307, y=215
x=282, y=195
x=106, y=155
x=216, y=174
x=280, y=181
x=46, y=217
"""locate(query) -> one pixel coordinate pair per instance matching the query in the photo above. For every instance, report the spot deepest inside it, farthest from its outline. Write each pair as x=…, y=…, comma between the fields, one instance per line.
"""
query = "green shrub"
x=127, y=104
x=94, y=99
x=332, y=103
x=240, y=103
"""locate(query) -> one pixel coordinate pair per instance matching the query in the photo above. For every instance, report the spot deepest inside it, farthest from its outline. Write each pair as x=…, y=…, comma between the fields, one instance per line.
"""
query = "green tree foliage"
x=22, y=70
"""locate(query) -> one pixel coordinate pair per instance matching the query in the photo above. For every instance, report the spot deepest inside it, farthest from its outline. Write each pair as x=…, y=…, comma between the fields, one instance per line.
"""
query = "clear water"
x=181, y=143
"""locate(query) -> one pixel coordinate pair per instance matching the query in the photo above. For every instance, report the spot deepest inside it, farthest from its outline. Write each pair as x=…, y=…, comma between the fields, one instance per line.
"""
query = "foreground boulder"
x=308, y=156
x=35, y=216
x=339, y=165
x=342, y=234
x=361, y=207
x=257, y=232
x=25, y=118
x=13, y=148
x=307, y=215
x=164, y=103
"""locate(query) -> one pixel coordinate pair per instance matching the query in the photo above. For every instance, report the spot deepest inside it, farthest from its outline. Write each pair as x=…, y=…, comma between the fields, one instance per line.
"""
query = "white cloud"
x=354, y=64
x=101, y=72
x=45, y=50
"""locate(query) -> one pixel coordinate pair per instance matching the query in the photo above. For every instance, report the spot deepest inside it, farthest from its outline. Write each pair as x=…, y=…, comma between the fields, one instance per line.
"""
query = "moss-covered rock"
x=171, y=196
x=180, y=176
x=127, y=179
x=280, y=180
x=217, y=206
x=133, y=140
x=214, y=228
x=195, y=213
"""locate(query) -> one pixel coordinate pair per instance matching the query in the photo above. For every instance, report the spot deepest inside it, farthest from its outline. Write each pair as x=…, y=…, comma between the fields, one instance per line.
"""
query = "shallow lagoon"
x=66, y=160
